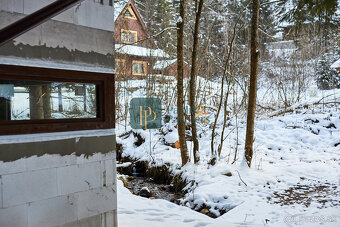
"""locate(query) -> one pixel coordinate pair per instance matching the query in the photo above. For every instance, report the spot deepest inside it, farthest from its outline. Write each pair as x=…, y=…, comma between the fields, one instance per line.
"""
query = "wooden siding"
x=171, y=70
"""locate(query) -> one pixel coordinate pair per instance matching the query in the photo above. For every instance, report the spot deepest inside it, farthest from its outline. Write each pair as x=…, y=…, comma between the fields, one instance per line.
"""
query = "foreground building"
x=57, y=139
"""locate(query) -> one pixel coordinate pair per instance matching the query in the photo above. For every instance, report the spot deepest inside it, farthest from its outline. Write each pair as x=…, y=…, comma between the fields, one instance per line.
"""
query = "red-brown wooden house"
x=135, y=52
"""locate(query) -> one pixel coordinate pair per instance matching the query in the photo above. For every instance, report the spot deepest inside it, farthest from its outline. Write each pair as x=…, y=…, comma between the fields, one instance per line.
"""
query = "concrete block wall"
x=54, y=190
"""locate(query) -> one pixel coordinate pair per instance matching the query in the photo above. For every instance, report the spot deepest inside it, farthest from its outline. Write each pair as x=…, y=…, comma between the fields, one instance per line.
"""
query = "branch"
x=241, y=178
x=267, y=3
x=267, y=34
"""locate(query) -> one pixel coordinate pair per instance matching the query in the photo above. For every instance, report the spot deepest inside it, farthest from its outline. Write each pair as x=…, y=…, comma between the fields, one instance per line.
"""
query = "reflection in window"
x=128, y=36
x=35, y=100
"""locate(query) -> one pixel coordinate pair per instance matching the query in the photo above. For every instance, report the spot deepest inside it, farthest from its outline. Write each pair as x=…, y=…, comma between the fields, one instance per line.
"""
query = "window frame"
x=124, y=66
x=128, y=33
x=106, y=110
x=145, y=68
x=131, y=12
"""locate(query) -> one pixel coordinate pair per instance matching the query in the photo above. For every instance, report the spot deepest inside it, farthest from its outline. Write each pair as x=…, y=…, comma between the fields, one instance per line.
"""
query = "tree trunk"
x=36, y=102
x=254, y=57
x=180, y=101
x=46, y=90
x=60, y=99
x=192, y=92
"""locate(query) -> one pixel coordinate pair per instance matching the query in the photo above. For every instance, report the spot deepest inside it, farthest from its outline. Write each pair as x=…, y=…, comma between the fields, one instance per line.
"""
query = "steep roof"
x=336, y=64
x=118, y=8
x=162, y=64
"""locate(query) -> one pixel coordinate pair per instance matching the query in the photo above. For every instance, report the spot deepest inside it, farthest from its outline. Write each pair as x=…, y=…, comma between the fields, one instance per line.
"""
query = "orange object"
x=177, y=146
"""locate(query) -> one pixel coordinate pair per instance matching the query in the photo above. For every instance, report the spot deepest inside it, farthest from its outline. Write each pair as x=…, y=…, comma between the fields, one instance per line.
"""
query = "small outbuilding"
x=336, y=65
x=169, y=68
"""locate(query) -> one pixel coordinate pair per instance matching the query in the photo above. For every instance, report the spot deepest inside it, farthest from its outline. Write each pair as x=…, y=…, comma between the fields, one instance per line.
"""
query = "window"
x=129, y=14
x=36, y=100
x=139, y=68
x=120, y=66
x=128, y=36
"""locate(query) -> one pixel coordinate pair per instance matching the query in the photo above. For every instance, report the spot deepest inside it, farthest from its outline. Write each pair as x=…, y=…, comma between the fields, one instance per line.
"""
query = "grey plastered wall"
x=80, y=35
x=52, y=189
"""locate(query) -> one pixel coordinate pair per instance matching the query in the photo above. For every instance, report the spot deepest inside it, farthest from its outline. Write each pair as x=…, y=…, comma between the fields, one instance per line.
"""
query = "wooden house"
x=336, y=65
x=169, y=68
x=135, y=51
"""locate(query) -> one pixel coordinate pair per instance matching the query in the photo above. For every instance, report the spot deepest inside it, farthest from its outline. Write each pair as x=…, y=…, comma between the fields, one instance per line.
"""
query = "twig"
x=241, y=178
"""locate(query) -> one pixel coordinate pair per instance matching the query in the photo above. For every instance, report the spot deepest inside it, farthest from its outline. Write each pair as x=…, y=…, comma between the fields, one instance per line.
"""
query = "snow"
x=145, y=189
x=336, y=64
x=118, y=8
x=163, y=64
x=140, y=51
x=179, y=19
x=298, y=148
x=139, y=211
x=283, y=49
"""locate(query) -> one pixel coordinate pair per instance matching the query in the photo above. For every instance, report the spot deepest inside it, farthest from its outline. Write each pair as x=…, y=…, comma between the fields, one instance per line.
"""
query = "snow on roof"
x=336, y=64
x=118, y=8
x=163, y=64
x=284, y=44
x=140, y=51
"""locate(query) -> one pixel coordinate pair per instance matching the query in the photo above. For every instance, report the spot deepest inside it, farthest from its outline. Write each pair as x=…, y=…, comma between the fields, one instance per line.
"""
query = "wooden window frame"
x=132, y=13
x=105, y=82
x=124, y=66
x=145, y=68
x=128, y=32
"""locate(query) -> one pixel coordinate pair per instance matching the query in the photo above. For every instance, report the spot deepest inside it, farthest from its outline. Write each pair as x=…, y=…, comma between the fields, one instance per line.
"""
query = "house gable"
x=130, y=27
x=128, y=13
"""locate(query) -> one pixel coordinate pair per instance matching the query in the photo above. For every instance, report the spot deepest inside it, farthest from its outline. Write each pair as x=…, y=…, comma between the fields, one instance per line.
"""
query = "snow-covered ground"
x=294, y=179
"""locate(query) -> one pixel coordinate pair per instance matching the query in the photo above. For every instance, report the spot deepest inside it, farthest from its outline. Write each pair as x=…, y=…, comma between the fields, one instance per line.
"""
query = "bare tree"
x=254, y=57
x=193, y=81
x=180, y=72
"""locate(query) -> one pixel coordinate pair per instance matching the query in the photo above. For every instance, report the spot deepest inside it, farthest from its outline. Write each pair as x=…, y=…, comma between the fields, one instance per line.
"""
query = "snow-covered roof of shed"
x=284, y=44
x=118, y=8
x=140, y=51
x=336, y=64
x=164, y=63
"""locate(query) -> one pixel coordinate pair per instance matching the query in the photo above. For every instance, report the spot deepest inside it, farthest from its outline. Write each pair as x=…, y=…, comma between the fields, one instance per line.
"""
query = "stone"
x=152, y=198
x=204, y=211
x=145, y=192
x=228, y=174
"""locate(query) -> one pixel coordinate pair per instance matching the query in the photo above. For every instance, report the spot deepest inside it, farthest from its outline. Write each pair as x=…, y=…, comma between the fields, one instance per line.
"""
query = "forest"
x=250, y=121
